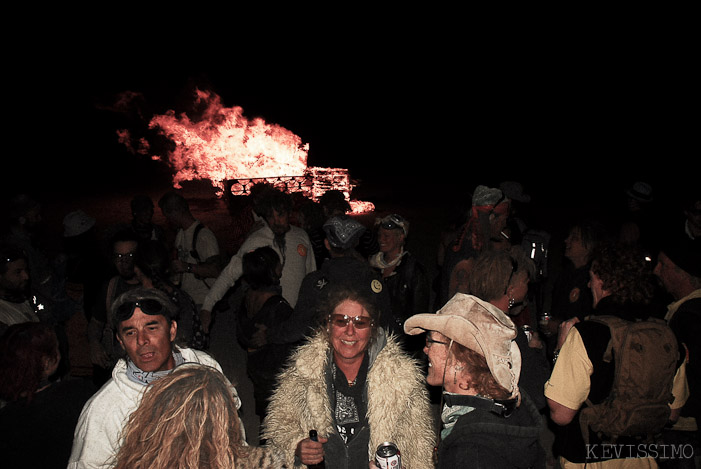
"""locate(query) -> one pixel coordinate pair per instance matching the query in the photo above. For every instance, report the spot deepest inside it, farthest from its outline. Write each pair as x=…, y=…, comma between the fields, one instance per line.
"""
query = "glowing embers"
x=313, y=184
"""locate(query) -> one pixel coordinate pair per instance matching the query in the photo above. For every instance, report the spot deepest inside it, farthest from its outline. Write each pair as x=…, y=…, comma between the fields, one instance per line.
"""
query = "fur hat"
x=343, y=232
x=481, y=327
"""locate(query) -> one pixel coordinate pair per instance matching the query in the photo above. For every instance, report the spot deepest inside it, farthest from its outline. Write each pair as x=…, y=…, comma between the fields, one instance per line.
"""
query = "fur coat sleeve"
x=398, y=404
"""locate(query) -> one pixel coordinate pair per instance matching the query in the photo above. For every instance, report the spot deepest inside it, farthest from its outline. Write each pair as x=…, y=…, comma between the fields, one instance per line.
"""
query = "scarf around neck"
x=450, y=415
x=145, y=378
x=378, y=260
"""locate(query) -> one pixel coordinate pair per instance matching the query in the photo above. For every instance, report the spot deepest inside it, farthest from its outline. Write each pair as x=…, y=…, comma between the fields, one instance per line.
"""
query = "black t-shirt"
x=350, y=408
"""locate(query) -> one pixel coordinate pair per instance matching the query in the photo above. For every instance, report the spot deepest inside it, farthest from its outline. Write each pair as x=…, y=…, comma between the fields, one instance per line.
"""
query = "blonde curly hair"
x=186, y=420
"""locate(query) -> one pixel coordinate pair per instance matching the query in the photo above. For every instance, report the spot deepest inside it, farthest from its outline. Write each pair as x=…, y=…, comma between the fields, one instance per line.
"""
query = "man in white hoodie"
x=145, y=326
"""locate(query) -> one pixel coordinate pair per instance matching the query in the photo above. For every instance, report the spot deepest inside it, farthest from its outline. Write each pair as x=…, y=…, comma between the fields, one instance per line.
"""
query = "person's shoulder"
x=298, y=232
x=106, y=402
x=206, y=232
x=75, y=388
x=692, y=306
x=199, y=356
x=258, y=237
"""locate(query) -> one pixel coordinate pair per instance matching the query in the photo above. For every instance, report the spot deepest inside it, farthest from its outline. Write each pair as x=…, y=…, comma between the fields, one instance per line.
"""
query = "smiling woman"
x=336, y=384
x=474, y=358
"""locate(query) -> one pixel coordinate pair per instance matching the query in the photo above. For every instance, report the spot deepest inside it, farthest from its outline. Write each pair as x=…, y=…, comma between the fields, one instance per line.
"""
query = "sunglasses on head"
x=148, y=306
x=392, y=222
x=342, y=320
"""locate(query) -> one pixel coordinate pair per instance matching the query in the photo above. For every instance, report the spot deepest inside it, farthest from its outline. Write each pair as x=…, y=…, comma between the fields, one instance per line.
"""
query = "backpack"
x=646, y=355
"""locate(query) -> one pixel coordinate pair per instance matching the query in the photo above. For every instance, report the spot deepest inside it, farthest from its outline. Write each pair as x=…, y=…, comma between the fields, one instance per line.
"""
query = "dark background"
x=415, y=117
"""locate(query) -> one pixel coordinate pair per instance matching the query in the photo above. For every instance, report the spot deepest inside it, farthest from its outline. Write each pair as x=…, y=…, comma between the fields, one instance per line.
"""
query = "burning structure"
x=235, y=153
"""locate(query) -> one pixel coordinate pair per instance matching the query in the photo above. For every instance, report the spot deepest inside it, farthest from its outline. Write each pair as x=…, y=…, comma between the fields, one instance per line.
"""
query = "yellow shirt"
x=569, y=383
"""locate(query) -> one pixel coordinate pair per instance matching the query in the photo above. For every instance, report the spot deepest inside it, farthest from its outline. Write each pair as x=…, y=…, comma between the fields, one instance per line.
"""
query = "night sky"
x=566, y=128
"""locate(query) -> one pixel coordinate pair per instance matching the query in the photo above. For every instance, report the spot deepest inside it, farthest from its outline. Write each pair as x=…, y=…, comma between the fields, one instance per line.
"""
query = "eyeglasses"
x=342, y=320
x=430, y=341
x=148, y=306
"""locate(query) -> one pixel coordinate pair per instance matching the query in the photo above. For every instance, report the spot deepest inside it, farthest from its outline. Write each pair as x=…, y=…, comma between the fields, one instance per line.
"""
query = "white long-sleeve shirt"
x=297, y=258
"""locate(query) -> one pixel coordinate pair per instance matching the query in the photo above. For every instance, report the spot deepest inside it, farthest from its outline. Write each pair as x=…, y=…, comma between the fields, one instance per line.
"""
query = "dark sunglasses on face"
x=148, y=306
x=341, y=320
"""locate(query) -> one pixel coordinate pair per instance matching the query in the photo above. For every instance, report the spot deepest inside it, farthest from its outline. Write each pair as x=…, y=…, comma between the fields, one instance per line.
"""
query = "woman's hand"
x=311, y=452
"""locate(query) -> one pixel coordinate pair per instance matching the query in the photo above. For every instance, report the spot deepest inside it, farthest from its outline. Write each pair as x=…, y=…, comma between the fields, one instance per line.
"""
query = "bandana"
x=378, y=260
x=147, y=377
x=450, y=415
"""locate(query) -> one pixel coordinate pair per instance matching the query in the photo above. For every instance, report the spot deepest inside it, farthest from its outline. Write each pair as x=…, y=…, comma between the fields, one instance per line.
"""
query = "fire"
x=233, y=152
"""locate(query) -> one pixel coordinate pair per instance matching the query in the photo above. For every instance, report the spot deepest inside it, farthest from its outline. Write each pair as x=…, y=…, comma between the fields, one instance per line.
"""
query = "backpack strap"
x=193, y=248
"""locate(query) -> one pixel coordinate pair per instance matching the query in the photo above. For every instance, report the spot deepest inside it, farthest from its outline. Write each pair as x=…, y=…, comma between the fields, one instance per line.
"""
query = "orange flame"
x=223, y=145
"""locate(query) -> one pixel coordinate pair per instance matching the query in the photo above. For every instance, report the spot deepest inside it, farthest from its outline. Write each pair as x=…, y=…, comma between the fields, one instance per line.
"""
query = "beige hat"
x=481, y=327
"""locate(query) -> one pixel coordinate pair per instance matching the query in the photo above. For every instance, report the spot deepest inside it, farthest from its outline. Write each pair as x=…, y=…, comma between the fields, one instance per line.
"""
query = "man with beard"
x=104, y=351
x=290, y=242
x=15, y=306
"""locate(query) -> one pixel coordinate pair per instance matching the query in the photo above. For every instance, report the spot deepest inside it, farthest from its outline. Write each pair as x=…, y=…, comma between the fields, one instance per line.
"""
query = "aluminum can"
x=388, y=456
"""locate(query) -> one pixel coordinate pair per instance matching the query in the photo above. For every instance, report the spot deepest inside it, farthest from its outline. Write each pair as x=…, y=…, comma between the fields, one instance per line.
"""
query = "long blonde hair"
x=186, y=420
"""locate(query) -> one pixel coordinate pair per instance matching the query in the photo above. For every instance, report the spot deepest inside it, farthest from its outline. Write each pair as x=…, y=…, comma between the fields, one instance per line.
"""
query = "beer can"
x=388, y=456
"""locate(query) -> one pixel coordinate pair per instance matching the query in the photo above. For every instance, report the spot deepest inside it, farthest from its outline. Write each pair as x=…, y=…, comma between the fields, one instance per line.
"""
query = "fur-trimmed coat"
x=398, y=407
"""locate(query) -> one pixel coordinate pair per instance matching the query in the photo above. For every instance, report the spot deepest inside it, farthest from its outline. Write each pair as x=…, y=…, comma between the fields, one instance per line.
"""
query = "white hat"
x=77, y=223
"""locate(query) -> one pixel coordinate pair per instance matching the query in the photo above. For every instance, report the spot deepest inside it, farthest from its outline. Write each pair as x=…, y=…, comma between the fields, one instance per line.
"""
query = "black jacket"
x=484, y=440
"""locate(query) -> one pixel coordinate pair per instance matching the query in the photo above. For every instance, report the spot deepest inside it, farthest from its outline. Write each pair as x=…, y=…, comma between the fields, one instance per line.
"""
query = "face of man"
x=390, y=241
x=596, y=285
x=123, y=257
x=574, y=246
x=670, y=276
x=16, y=280
x=147, y=340
x=497, y=223
x=143, y=216
x=279, y=222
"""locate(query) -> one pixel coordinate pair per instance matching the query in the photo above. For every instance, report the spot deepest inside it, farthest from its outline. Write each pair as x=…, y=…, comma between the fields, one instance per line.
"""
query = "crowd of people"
x=499, y=358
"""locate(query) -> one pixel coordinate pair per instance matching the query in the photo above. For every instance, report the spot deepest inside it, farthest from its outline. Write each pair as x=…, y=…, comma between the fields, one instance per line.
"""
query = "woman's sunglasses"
x=341, y=320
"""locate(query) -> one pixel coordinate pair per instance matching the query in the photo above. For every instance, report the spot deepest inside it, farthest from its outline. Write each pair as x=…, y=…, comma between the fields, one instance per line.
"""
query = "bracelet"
x=555, y=355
